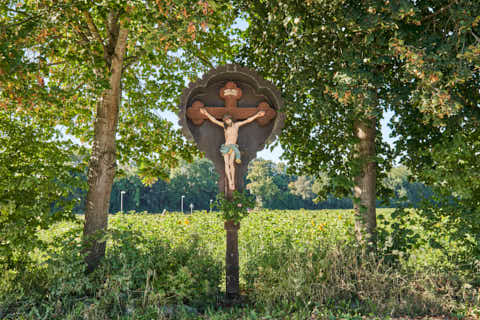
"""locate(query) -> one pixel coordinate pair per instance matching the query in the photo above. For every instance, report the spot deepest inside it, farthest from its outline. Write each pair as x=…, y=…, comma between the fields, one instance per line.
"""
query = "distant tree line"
x=268, y=181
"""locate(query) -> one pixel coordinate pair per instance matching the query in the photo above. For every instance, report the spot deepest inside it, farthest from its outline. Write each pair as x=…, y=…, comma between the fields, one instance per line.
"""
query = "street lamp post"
x=182, y=203
x=121, y=200
x=211, y=200
x=191, y=208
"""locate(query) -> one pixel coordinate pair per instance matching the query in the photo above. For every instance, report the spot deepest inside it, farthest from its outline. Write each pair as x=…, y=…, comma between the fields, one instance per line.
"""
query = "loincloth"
x=229, y=148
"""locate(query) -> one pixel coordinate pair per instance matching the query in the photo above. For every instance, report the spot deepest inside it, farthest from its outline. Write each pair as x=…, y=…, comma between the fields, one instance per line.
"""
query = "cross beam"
x=231, y=94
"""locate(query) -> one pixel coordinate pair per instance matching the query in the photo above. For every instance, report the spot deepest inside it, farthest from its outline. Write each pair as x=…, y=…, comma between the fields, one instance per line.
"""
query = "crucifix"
x=229, y=149
x=231, y=112
x=231, y=93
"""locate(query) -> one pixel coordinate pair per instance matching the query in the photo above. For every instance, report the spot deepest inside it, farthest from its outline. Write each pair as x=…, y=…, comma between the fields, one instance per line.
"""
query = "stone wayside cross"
x=231, y=94
x=254, y=105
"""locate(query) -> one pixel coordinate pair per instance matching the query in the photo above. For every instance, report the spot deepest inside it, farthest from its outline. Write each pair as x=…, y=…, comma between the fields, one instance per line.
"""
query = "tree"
x=343, y=63
x=302, y=187
x=197, y=181
x=37, y=178
x=260, y=181
x=439, y=48
x=284, y=199
x=102, y=71
x=333, y=63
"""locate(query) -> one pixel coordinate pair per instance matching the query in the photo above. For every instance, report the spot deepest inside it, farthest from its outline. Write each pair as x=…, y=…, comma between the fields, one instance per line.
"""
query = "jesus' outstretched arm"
x=252, y=118
x=210, y=117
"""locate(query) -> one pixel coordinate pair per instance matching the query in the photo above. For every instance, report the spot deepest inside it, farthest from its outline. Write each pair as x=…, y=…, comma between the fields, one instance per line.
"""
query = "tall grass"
x=294, y=265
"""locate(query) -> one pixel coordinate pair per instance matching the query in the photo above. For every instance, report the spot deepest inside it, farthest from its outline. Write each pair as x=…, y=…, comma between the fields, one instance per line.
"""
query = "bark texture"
x=102, y=163
x=365, y=183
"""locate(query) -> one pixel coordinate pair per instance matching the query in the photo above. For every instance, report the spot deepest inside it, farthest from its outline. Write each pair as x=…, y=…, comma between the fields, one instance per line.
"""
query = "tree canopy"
x=103, y=72
x=342, y=64
x=56, y=63
x=38, y=176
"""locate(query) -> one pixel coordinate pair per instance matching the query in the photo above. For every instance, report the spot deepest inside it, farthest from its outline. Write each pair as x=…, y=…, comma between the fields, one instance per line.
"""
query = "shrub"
x=293, y=265
x=140, y=277
x=36, y=178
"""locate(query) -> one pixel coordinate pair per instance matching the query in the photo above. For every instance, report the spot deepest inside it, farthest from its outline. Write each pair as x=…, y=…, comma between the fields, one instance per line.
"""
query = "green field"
x=294, y=265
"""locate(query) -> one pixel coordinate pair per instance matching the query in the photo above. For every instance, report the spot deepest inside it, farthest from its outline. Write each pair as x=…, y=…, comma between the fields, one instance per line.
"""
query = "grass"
x=294, y=265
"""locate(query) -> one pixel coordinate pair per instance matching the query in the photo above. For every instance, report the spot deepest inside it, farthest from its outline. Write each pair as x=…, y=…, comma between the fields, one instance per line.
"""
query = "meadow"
x=293, y=265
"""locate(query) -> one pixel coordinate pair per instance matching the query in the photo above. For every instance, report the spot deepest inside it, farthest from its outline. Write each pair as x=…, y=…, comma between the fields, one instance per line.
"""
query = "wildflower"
x=313, y=223
x=186, y=221
x=239, y=205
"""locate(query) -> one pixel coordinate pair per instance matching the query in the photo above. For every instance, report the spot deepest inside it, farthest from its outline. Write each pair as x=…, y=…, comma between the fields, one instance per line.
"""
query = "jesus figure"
x=230, y=149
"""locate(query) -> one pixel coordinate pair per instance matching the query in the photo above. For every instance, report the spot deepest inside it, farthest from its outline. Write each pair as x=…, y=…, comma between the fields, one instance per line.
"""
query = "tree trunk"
x=365, y=184
x=102, y=163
